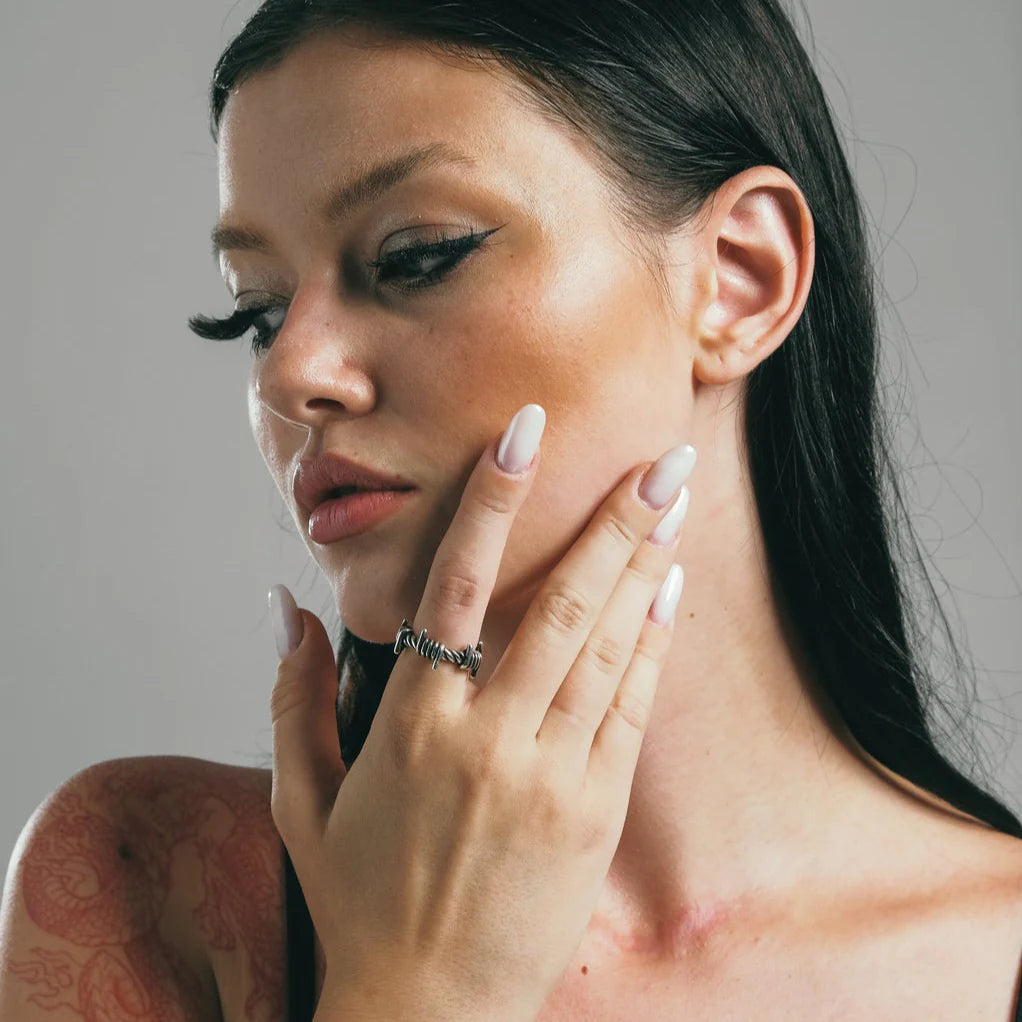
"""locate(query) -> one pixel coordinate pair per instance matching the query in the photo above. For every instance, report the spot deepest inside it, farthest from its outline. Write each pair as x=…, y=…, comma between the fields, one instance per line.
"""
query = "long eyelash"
x=403, y=261
x=389, y=269
x=234, y=326
x=228, y=329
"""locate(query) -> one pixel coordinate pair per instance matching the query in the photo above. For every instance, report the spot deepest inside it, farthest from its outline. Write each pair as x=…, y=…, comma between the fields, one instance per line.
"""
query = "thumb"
x=307, y=765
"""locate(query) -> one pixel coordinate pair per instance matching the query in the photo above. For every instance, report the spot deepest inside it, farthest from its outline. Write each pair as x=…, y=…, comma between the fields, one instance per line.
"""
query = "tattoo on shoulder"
x=98, y=875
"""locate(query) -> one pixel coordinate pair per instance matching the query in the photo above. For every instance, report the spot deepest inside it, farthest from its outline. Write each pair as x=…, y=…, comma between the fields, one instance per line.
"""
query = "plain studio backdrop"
x=141, y=529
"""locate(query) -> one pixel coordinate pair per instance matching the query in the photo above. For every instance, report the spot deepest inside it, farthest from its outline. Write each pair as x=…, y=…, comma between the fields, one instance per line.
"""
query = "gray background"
x=141, y=530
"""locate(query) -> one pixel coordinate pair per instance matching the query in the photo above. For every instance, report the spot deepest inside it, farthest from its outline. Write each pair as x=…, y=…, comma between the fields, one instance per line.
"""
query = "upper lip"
x=317, y=477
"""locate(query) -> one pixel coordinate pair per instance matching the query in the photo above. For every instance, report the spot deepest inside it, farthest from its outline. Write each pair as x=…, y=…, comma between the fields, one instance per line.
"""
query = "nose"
x=315, y=368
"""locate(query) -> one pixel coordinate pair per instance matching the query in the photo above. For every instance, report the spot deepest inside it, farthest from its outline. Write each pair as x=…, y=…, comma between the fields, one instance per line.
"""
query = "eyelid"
x=390, y=270
x=264, y=305
x=271, y=310
x=440, y=237
x=420, y=237
x=244, y=318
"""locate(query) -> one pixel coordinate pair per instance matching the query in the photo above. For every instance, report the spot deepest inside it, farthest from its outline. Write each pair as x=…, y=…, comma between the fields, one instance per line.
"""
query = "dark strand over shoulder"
x=362, y=672
x=301, y=962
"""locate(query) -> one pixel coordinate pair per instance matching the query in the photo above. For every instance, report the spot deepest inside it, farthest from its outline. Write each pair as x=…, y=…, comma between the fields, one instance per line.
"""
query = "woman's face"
x=553, y=307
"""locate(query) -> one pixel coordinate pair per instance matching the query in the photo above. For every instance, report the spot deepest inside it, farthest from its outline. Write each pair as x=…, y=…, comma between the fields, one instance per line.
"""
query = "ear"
x=758, y=249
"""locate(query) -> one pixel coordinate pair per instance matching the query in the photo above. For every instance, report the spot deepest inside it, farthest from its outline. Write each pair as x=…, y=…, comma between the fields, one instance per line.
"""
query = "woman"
x=546, y=267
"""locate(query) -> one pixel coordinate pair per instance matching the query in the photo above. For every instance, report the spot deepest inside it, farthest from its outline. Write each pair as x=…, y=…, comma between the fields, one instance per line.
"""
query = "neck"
x=747, y=787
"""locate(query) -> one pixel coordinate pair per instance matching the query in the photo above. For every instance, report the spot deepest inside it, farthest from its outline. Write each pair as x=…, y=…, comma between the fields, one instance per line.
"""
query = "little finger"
x=615, y=749
x=581, y=703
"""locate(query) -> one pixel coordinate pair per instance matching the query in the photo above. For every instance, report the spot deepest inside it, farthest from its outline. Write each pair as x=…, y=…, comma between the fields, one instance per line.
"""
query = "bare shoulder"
x=985, y=904
x=960, y=862
x=967, y=925
x=146, y=880
x=998, y=867
x=977, y=864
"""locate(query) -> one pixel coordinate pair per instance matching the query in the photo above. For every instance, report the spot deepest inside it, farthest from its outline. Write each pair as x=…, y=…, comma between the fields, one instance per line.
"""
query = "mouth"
x=346, y=491
x=331, y=476
x=349, y=510
x=340, y=491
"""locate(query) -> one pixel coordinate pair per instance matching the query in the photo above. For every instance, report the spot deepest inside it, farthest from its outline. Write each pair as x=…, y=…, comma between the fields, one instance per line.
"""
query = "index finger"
x=466, y=563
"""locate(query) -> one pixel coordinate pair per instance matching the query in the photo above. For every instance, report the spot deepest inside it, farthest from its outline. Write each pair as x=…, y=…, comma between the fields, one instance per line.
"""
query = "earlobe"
x=758, y=241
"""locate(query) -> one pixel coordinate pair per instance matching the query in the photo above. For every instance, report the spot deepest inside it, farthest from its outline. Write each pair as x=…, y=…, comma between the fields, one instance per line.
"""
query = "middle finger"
x=562, y=614
x=580, y=705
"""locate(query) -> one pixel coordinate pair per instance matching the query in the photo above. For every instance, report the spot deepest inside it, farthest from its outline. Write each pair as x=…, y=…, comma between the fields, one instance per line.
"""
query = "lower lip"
x=346, y=516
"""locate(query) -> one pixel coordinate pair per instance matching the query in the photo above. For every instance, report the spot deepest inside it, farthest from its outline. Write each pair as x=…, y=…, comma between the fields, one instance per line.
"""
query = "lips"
x=339, y=519
x=330, y=474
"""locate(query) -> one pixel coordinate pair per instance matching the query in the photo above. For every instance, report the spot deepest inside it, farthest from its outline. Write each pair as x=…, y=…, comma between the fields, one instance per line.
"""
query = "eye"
x=422, y=265
x=267, y=322
x=408, y=269
x=238, y=322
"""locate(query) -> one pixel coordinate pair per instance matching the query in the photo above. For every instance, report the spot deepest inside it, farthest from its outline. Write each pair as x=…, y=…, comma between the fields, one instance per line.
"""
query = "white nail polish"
x=521, y=439
x=666, y=601
x=662, y=480
x=286, y=621
x=669, y=526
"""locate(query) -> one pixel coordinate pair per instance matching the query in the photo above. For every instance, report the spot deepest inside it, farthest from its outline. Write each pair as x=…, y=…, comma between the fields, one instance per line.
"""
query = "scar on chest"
x=687, y=931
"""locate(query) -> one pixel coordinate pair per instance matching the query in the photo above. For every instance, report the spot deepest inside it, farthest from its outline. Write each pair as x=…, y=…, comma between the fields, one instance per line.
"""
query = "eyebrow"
x=345, y=199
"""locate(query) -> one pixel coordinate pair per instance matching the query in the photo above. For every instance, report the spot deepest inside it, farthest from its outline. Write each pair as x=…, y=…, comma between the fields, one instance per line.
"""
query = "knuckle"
x=458, y=587
x=570, y=718
x=490, y=501
x=491, y=765
x=563, y=609
x=619, y=529
x=632, y=710
x=594, y=830
x=550, y=805
x=650, y=650
x=280, y=812
x=643, y=570
x=593, y=835
x=551, y=810
x=287, y=695
x=408, y=731
x=605, y=653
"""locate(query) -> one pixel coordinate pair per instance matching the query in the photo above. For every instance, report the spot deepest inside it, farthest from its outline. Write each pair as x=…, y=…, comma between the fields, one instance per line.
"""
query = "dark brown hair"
x=674, y=97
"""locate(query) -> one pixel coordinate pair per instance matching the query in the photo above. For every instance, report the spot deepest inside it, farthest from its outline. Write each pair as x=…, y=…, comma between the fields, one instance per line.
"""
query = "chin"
x=374, y=611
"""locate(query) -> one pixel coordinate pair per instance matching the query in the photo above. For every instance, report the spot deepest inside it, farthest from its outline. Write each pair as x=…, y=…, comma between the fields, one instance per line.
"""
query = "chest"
x=954, y=955
x=953, y=970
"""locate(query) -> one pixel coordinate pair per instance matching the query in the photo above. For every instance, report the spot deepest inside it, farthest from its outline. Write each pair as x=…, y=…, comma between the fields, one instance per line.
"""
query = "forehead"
x=342, y=102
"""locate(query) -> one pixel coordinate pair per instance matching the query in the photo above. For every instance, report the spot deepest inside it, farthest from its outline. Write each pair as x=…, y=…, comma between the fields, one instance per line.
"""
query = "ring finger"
x=580, y=705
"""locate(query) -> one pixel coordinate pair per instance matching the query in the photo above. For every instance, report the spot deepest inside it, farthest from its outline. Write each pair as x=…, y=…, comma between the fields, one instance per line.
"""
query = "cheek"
x=556, y=329
x=574, y=478
x=271, y=446
x=258, y=423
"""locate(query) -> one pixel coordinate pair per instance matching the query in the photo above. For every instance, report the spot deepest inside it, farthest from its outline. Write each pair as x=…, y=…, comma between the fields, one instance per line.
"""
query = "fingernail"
x=661, y=482
x=521, y=439
x=666, y=601
x=287, y=622
x=668, y=527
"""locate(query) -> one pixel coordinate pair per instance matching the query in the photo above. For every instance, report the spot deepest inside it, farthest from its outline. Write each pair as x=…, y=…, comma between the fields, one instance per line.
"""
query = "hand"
x=453, y=874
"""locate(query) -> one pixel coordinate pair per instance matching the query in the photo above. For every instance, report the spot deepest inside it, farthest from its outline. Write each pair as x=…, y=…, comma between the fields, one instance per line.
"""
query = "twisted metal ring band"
x=468, y=659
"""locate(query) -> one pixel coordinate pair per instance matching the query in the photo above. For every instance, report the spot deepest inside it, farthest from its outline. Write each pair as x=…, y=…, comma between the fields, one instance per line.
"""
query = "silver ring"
x=468, y=659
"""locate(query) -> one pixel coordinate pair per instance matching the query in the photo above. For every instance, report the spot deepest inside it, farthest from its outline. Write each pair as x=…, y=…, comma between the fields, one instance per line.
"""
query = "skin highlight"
x=743, y=761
